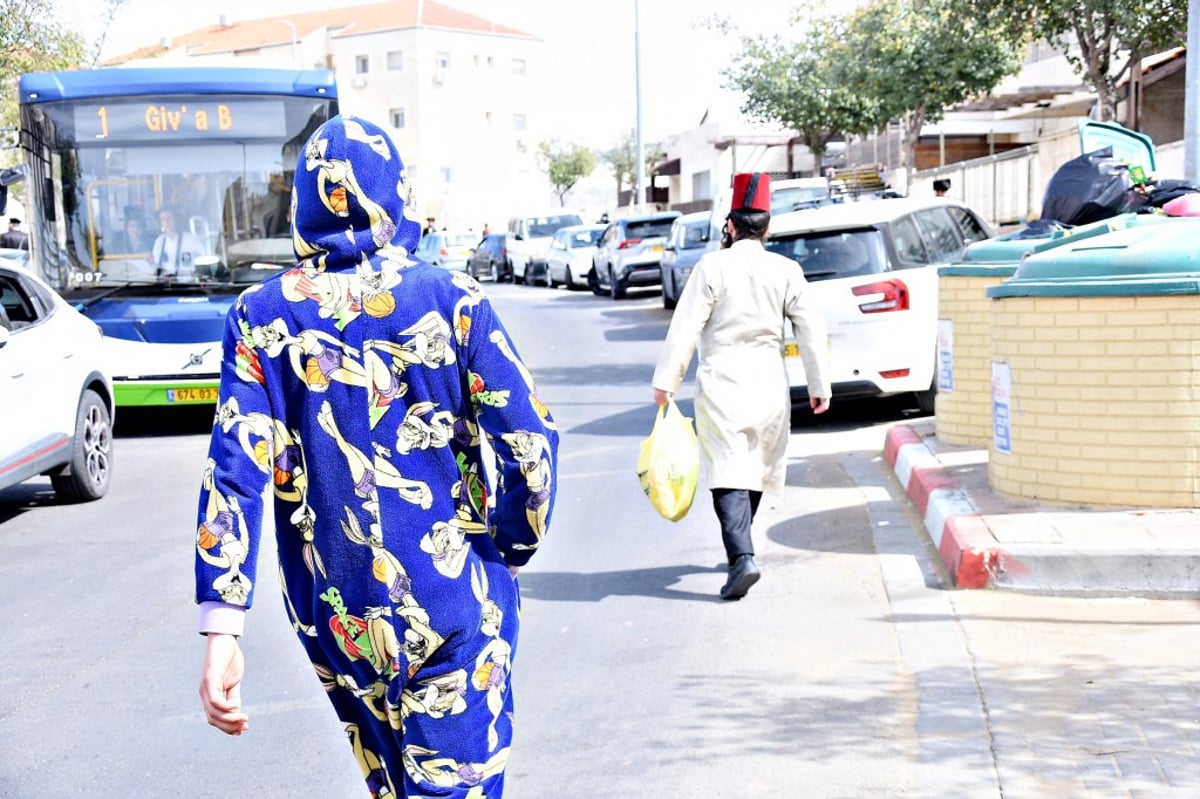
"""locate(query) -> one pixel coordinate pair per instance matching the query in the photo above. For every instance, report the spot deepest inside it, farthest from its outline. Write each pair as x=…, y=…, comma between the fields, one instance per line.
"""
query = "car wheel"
x=569, y=280
x=616, y=289
x=594, y=281
x=88, y=474
x=668, y=296
x=926, y=399
x=549, y=277
x=495, y=272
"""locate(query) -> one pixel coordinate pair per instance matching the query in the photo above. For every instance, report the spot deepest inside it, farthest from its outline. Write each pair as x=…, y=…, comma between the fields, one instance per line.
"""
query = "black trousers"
x=735, y=509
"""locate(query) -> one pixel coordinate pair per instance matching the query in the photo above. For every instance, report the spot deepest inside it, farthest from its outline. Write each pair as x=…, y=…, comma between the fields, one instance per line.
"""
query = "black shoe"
x=742, y=574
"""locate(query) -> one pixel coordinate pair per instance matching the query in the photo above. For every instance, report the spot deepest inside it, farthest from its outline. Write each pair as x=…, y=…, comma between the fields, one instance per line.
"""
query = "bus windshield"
x=175, y=187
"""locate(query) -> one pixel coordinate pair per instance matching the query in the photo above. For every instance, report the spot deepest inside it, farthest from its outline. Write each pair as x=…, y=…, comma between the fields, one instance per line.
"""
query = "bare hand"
x=661, y=398
x=512, y=570
x=221, y=684
x=818, y=404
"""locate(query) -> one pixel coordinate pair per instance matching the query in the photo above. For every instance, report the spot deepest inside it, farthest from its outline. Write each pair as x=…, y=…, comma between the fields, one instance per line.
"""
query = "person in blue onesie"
x=359, y=387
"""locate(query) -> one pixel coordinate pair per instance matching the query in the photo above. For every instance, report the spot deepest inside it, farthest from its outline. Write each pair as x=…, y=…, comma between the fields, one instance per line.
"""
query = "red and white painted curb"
x=970, y=552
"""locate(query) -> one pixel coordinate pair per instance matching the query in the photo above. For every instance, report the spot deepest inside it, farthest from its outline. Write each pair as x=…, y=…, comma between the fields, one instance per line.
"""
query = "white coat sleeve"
x=808, y=326
x=692, y=312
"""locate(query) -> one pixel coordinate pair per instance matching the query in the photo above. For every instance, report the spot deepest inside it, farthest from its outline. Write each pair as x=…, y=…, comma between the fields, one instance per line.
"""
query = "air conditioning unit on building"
x=358, y=81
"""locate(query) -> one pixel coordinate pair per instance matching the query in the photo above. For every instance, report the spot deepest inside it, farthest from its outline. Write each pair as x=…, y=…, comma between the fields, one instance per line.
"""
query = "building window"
x=395, y=59
x=518, y=122
x=397, y=115
x=447, y=175
x=701, y=186
x=518, y=66
x=361, y=64
x=442, y=60
x=491, y=61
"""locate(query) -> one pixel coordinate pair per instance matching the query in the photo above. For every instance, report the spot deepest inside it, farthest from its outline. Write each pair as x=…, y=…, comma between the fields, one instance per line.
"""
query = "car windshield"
x=829, y=254
x=797, y=198
x=585, y=238
x=649, y=228
x=543, y=226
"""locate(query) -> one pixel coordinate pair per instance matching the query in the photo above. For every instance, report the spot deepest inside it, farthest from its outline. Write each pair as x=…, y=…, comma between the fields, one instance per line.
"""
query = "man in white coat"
x=734, y=308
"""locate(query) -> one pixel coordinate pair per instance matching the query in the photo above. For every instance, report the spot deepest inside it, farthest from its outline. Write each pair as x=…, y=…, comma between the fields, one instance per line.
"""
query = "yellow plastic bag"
x=668, y=464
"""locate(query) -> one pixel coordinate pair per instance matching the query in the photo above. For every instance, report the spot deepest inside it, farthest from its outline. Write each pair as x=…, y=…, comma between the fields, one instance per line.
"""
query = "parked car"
x=56, y=399
x=490, y=259
x=872, y=267
x=570, y=255
x=690, y=238
x=795, y=194
x=528, y=238
x=629, y=252
x=447, y=249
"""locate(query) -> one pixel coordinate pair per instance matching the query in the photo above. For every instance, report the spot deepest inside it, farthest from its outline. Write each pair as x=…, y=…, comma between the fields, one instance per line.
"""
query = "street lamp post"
x=641, y=145
x=291, y=25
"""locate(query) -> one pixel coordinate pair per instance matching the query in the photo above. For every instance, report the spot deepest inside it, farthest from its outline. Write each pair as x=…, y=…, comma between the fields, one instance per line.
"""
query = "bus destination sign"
x=172, y=119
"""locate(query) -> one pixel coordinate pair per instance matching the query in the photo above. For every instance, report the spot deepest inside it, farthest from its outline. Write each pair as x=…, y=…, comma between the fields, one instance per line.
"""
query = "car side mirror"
x=519, y=237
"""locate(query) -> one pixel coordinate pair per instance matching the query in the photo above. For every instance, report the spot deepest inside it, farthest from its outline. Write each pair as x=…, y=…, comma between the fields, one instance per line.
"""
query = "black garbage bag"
x=1090, y=188
x=1163, y=191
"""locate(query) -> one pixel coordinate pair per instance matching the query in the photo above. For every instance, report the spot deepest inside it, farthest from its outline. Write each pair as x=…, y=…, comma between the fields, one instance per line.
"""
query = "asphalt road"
x=847, y=672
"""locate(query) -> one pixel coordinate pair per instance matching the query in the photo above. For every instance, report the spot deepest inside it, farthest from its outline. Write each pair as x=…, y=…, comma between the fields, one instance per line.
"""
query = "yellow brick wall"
x=1105, y=406
x=964, y=415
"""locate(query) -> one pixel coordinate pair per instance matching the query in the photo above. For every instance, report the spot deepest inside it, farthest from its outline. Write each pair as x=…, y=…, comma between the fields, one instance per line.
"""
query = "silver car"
x=570, y=255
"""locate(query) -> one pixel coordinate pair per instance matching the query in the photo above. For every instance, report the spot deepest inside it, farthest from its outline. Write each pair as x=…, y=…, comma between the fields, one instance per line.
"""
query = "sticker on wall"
x=945, y=355
x=1001, y=407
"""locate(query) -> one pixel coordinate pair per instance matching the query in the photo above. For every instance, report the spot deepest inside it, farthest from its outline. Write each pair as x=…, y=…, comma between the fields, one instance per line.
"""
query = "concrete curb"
x=986, y=541
x=968, y=550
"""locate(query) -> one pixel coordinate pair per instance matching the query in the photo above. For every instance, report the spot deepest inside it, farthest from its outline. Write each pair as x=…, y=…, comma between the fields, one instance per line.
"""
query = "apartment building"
x=459, y=93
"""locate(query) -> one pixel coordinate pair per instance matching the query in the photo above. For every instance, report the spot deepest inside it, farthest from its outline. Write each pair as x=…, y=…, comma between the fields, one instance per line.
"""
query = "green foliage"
x=565, y=165
x=1101, y=30
x=917, y=58
x=31, y=40
x=622, y=159
x=796, y=84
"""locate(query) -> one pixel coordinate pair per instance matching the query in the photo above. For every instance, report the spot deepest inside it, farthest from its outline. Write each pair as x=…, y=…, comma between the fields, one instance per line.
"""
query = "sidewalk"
x=987, y=541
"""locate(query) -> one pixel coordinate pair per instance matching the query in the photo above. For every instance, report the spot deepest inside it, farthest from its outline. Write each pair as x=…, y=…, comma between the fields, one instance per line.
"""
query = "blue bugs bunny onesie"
x=358, y=386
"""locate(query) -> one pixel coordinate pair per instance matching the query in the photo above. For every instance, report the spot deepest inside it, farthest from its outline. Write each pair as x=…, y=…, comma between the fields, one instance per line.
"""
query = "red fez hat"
x=751, y=192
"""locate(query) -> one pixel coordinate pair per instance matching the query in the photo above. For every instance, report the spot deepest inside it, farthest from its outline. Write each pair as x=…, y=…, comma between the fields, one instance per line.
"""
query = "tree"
x=111, y=7
x=1101, y=30
x=914, y=59
x=622, y=160
x=31, y=40
x=796, y=84
x=565, y=165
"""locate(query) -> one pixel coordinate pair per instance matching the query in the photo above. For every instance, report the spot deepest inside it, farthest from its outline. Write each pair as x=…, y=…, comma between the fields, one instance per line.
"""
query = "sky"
x=589, y=50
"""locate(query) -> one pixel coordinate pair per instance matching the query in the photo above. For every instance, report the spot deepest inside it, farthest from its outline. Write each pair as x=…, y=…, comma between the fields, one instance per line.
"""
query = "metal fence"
x=1006, y=189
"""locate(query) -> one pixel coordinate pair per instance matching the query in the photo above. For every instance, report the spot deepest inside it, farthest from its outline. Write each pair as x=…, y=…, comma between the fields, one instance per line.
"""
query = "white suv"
x=872, y=267
x=528, y=239
x=55, y=398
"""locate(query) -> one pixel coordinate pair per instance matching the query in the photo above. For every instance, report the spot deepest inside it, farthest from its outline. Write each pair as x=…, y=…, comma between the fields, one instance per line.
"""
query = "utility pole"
x=1191, y=102
x=641, y=144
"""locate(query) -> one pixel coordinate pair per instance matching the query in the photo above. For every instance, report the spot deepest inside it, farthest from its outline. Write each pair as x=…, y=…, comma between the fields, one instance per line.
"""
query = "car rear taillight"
x=628, y=243
x=890, y=374
x=893, y=296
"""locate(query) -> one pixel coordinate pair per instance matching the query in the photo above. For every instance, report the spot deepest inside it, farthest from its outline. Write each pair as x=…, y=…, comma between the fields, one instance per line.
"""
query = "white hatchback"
x=55, y=396
x=872, y=267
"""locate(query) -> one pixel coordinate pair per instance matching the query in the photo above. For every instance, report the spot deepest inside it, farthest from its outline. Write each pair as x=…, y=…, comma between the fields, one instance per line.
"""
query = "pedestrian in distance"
x=941, y=187
x=132, y=239
x=732, y=310
x=14, y=238
x=430, y=226
x=359, y=388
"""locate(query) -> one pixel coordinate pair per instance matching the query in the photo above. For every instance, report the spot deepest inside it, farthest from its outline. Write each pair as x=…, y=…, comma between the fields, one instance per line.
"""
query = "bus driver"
x=175, y=251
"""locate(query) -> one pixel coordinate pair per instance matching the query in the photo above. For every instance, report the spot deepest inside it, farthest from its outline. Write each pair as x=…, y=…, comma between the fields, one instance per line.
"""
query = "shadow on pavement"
x=611, y=374
x=635, y=422
x=595, y=586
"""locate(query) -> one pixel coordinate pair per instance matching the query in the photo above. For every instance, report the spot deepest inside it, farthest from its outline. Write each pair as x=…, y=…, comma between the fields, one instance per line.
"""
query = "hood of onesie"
x=350, y=199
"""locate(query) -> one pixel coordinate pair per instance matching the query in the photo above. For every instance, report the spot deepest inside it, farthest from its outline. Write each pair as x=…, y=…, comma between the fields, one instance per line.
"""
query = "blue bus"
x=155, y=196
